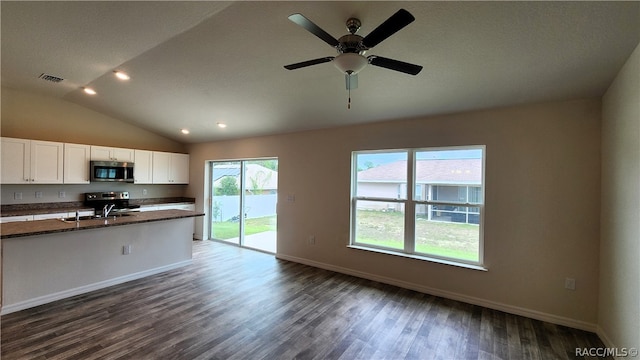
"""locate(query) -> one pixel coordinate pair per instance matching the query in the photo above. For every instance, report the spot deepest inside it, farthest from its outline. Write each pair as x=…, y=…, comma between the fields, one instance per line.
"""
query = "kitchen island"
x=48, y=260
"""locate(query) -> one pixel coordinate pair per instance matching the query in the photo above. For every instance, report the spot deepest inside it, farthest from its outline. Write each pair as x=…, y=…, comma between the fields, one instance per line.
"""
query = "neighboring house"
x=259, y=180
x=260, y=196
x=444, y=180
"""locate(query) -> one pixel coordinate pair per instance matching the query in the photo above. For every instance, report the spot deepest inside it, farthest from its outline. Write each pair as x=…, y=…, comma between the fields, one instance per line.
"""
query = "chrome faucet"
x=107, y=209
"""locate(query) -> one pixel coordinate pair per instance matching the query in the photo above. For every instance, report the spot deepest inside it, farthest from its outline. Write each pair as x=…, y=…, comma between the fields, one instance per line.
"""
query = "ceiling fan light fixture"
x=350, y=63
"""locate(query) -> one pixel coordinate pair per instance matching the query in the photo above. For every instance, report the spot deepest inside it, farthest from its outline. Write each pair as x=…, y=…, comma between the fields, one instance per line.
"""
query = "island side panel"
x=44, y=268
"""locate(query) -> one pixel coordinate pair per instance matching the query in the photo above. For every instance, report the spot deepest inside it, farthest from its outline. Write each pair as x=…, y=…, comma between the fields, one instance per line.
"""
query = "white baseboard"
x=7, y=309
x=533, y=314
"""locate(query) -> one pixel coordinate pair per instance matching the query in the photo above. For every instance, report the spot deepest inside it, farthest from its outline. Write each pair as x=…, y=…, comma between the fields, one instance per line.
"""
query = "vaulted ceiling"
x=194, y=64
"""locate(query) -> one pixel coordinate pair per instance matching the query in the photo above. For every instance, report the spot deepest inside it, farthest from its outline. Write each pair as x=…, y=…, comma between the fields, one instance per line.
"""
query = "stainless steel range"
x=109, y=202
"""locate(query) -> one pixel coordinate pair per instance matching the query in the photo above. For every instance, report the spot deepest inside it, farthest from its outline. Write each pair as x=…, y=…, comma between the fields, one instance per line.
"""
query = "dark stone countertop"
x=42, y=227
x=51, y=208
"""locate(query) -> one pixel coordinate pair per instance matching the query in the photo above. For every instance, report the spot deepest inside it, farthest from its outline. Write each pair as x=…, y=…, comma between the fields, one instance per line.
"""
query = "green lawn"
x=446, y=239
x=385, y=229
x=228, y=229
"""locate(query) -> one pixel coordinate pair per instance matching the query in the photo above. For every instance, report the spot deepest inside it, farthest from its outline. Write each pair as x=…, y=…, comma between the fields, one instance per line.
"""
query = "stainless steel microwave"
x=114, y=171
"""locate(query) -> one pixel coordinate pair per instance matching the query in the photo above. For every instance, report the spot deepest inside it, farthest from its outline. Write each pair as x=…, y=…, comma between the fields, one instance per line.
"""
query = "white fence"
x=227, y=207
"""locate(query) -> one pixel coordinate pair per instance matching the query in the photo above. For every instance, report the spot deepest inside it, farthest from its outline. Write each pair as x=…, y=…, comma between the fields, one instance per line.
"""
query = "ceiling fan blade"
x=314, y=29
x=308, y=63
x=392, y=25
x=351, y=81
x=396, y=65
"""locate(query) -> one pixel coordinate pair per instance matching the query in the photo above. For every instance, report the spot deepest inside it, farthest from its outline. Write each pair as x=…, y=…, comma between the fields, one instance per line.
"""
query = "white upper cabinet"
x=16, y=161
x=143, y=168
x=170, y=168
x=31, y=161
x=180, y=168
x=101, y=153
x=76, y=163
x=26, y=161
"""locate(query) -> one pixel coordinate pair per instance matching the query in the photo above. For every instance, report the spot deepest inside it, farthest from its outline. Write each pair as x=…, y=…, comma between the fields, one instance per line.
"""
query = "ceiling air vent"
x=51, y=78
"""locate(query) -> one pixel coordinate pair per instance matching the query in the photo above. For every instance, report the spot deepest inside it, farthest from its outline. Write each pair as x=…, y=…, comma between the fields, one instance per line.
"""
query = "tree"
x=367, y=165
x=259, y=181
x=269, y=164
x=228, y=186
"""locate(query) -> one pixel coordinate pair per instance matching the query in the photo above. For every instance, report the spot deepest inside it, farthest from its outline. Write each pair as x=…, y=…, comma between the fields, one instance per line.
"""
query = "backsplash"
x=63, y=193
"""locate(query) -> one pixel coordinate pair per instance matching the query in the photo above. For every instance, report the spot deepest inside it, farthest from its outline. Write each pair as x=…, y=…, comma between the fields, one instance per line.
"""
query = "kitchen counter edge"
x=43, y=227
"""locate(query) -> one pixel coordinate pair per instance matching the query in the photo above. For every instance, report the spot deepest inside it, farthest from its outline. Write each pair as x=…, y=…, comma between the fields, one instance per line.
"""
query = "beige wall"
x=542, y=203
x=32, y=116
x=619, y=308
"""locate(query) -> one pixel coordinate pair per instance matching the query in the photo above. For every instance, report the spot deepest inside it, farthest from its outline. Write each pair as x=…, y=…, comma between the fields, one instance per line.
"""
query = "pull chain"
x=349, y=102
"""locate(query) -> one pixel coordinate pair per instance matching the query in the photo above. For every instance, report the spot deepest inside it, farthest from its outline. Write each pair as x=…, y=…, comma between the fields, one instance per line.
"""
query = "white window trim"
x=409, y=208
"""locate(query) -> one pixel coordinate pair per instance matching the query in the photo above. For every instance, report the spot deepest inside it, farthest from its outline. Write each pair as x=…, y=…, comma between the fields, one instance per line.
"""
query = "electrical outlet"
x=126, y=250
x=17, y=196
x=62, y=194
x=144, y=191
x=38, y=194
x=570, y=284
x=312, y=240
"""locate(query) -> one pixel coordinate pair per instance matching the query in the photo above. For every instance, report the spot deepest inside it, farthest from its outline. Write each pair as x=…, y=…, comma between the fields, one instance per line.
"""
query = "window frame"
x=410, y=203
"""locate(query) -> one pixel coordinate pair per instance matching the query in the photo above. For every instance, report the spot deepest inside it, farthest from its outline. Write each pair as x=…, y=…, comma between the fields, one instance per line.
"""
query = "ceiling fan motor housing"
x=351, y=43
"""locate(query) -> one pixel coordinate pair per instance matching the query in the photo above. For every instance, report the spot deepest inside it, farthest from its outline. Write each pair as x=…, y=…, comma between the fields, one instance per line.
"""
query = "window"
x=425, y=203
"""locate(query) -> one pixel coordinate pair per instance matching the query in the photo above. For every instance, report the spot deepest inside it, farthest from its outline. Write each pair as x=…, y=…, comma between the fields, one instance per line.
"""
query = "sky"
x=379, y=158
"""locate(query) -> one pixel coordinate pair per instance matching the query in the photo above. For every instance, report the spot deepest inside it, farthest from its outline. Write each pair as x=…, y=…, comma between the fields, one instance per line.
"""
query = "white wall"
x=33, y=116
x=29, y=115
x=619, y=300
x=43, y=268
x=542, y=203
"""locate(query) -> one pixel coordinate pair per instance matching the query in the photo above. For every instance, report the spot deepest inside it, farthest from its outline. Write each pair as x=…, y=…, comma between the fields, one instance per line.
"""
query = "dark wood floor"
x=234, y=303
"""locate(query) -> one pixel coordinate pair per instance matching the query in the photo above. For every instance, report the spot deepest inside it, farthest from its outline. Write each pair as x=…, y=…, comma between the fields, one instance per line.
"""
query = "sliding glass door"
x=243, y=203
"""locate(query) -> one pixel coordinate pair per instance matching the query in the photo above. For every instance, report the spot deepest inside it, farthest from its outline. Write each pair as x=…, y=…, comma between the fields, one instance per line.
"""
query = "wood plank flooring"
x=235, y=303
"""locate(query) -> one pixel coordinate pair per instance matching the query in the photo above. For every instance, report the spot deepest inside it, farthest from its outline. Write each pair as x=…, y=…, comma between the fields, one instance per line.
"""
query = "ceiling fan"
x=351, y=48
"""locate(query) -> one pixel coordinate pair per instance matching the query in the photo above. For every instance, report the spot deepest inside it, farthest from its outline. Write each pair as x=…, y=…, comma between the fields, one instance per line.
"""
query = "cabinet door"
x=100, y=153
x=47, y=162
x=179, y=169
x=50, y=216
x=120, y=154
x=143, y=168
x=8, y=219
x=76, y=163
x=103, y=153
x=161, y=167
x=16, y=161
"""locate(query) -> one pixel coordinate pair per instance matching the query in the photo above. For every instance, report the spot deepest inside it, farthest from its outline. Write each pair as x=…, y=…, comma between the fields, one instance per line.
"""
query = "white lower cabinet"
x=51, y=216
x=175, y=206
x=58, y=215
x=7, y=219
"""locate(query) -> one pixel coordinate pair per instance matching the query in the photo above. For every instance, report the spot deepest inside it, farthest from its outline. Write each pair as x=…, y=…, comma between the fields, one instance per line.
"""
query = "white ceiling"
x=197, y=63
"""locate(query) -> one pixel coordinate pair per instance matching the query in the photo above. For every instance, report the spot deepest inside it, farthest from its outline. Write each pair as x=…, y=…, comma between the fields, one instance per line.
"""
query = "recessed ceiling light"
x=89, y=91
x=184, y=131
x=121, y=75
x=222, y=125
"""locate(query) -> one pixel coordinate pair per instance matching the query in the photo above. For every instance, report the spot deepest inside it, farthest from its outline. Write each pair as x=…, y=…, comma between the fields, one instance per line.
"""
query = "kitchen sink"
x=93, y=217
x=73, y=218
x=117, y=214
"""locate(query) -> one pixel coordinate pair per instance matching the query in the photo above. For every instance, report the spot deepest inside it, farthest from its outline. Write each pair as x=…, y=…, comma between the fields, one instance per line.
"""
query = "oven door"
x=112, y=171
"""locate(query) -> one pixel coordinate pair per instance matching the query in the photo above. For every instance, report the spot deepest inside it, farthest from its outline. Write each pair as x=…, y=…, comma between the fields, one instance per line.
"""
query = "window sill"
x=421, y=258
